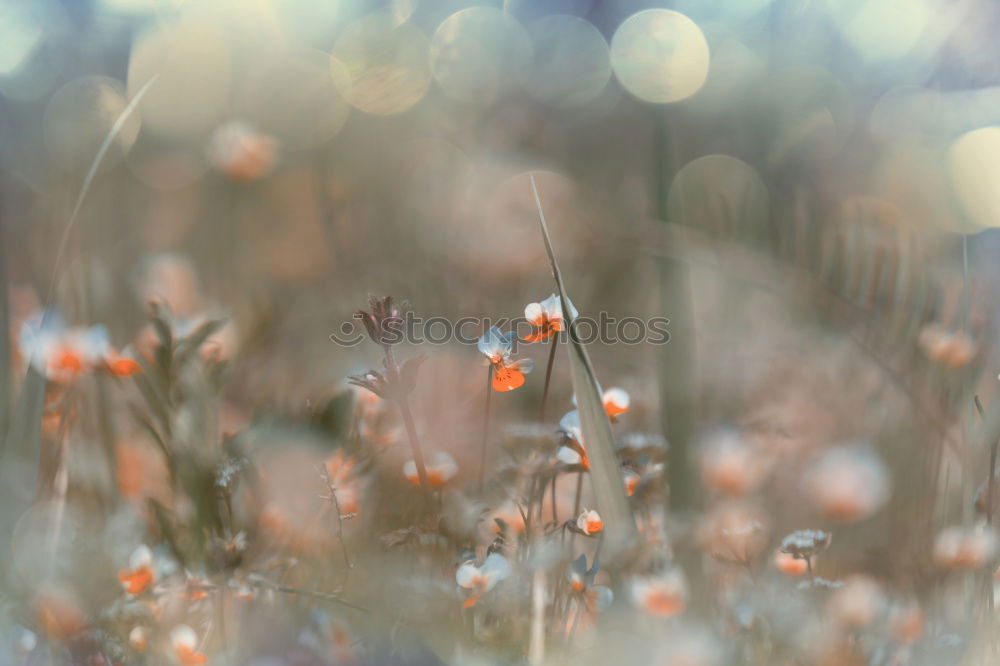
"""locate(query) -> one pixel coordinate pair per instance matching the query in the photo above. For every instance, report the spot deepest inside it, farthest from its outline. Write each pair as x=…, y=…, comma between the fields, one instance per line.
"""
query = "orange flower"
x=440, y=470
x=481, y=579
x=572, y=452
x=590, y=522
x=616, y=402
x=789, y=564
x=546, y=317
x=59, y=352
x=139, y=575
x=632, y=480
x=121, y=365
x=664, y=595
x=242, y=153
x=497, y=347
x=138, y=638
x=184, y=643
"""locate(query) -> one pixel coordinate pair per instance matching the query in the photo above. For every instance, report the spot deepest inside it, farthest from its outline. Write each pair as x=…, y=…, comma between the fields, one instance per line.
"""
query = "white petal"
x=466, y=573
x=533, y=312
x=568, y=456
x=141, y=557
x=617, y=396
x=603, y=596
x=410, y=469
x=183, y=636
x=496, y=568
x=551, y=307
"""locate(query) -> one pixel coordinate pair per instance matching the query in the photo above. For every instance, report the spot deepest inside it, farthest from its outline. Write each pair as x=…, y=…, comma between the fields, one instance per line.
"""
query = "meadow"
x=416, y=332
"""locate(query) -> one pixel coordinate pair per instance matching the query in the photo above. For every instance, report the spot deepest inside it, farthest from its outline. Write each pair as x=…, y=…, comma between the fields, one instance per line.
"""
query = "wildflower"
x=497, y=347
x=440, y=470
x=139, y=575
x=572, y=452
x=632, y=480
x=60, y=352
x=581, y=581
x=184, y=643
x=848, y=483
x=730, y=465
x=242, y=153
x=790, y=565
x=616, y=401
x=805, y=543
x=121, y=364
x=547, y=318
x=664, y=595
x=384, y=323
x=589, y=522
x=953, y=349
x=138, y=638
x=481, y=579
x=961, y=548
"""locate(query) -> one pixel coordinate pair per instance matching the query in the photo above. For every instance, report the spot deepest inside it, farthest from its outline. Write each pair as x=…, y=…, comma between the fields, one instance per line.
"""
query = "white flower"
x=589, y=522
x=59, y=352
x=481, y=579
x=440, y=470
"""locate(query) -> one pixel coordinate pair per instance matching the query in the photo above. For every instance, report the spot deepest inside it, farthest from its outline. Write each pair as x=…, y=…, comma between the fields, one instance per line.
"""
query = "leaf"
x=193, y=342
x=605, y=470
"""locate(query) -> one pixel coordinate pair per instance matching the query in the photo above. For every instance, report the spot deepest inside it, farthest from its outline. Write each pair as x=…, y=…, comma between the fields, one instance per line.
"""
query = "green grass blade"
x=605, y=470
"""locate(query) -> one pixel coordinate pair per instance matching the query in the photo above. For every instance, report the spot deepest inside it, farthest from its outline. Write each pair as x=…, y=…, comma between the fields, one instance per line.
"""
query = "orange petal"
x=189, y=656
x=136, y=580
x=124, y=367
x=470, y=602
x=507, y=379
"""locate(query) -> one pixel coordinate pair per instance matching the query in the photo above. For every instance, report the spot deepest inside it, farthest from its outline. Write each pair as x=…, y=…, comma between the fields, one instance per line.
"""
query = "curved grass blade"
x=605, y=470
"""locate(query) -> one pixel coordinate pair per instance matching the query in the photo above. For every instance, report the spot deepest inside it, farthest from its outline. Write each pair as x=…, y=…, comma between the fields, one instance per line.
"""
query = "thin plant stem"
x=555, y=511
x=989, y=500
x=411, y=429
x=572, y=628
x=333, y=499
x=486, y=429
x=576, y=504
x=536, y=646
x=548, y=377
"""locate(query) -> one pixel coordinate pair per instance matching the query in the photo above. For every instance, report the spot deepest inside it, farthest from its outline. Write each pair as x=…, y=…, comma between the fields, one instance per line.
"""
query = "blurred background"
x=805, y=188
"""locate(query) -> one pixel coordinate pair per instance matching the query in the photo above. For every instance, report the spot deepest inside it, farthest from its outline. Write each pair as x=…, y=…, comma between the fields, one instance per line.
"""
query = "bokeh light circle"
x=974, y=167
x=35, y=47
x=478, y=54
x=572, y=63
x=660, y=55
x=883, y=29
x=385, y=62
x=81, y=114
x=191, y=95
